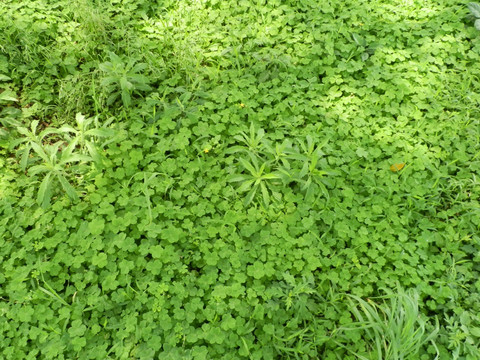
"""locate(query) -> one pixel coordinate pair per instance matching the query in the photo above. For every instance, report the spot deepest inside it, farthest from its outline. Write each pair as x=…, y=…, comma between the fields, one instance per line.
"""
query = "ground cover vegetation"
x=239, y=180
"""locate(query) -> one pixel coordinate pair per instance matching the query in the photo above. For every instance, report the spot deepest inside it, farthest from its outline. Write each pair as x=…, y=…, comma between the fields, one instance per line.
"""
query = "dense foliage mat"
x=239, y=180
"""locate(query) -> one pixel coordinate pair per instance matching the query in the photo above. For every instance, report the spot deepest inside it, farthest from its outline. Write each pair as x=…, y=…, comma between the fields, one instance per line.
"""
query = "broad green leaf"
x=297, y=156
x=109, y=81
x=475, y=331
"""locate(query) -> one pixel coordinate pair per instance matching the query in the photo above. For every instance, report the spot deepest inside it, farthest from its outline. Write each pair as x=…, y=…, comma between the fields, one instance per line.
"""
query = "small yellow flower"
x=242, y=105
x=206, y=150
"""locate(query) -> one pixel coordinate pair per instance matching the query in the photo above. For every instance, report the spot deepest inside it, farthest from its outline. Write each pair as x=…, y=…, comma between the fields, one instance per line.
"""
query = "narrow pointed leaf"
x=238, y=177
x=24, y=158
x=246, y=185
x=265, y=195
x=92, y=150
x=39, y=151
x=100, y=132
x=67, y=187
x=250, y=195
x=248, y=166
x=44, y=191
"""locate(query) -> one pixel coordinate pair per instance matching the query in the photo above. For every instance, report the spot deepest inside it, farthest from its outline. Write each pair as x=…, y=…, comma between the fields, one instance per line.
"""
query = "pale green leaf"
x=474, y=9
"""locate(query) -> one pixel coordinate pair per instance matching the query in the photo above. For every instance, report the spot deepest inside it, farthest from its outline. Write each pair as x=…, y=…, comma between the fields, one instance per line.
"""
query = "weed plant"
x=270, y=180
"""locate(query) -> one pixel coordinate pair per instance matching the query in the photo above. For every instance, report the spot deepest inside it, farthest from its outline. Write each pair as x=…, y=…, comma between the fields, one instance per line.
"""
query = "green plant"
x=257, y=177
x=123, y=79
x=475, y=13
x=311, y=179
x=85, y=139
x=252, y=141
x=9, y=112
x=463, y=333
x=363, y=47
x=161, y=258
x=395, y=329
x=31, y=140
x=58, y=162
